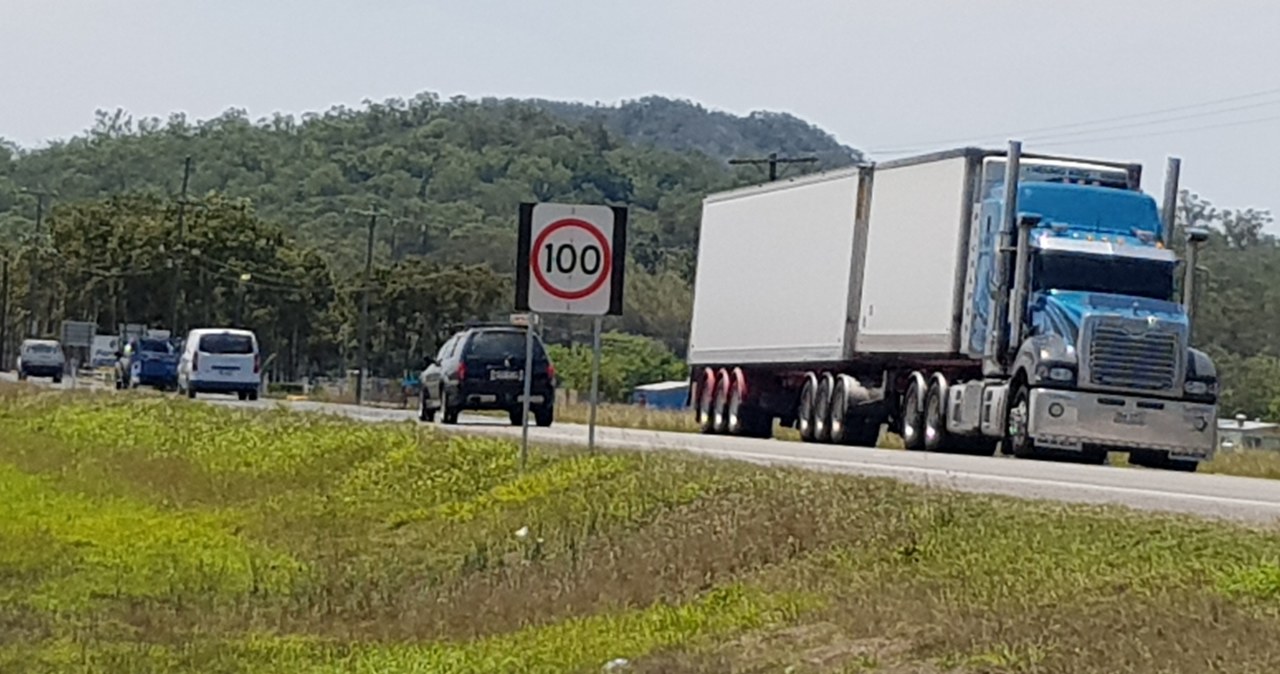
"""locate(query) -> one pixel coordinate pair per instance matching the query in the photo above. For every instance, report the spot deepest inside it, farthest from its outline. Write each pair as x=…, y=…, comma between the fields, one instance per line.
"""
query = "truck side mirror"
x=1029, y=219
x=1197, y=235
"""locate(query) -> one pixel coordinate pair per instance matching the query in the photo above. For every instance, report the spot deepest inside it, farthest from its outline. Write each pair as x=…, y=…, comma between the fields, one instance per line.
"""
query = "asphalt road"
x=1215, y=496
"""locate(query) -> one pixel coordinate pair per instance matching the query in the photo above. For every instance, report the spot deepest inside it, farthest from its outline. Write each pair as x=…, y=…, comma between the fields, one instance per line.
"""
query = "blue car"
x=148, y=362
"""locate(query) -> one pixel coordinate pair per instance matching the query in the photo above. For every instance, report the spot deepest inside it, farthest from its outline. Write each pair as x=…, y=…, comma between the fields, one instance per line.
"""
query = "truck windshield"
x=1102, y=274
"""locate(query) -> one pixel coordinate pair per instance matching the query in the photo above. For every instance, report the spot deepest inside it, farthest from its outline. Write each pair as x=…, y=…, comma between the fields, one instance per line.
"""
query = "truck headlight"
x=1199, y=387
x=1063, y=374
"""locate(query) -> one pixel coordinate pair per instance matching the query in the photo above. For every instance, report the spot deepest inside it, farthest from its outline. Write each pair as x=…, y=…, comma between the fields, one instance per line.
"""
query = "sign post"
x=570, y=259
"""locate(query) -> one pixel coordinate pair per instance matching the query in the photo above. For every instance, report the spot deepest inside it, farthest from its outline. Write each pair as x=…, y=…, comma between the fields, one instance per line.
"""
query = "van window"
x=226, y=344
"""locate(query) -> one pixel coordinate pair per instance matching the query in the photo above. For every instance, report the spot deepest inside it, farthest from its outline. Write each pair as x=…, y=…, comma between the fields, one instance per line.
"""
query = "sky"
x=881, y=75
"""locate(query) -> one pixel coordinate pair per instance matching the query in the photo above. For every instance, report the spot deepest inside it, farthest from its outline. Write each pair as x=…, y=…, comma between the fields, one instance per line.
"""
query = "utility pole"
x=773, y=160
x=179, y=247
x=4, y=313
x=364, y=305
x=33, y=328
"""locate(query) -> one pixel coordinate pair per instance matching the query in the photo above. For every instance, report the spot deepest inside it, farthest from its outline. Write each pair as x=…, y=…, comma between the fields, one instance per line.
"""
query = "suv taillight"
x=195, y=362
x=462, y=371
x=257, y=363
x=551, y=371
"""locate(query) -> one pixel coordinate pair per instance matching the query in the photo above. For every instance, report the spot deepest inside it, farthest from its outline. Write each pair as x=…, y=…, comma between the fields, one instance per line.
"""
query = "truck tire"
x=706, y=402
x=936, y=437
x=734, y=423
x=848, y=427
x=1161, y=461
x=1017, y=424
x=822, y=408
x=425, y=414
x=804, y=411
x=720, y=413
x=912, y=430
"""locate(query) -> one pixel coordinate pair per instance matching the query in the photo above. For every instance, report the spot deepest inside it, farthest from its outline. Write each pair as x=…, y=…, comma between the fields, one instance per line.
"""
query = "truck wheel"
x=804, y=412
x=822, y=409
x=450, y=416
x=544, y=416
x=848, y=428
x=425, y=414
x=706, y=402
x=720, y=414
x=735, y=423
x=936, y=438
x=1018, y=425
x=1161, y=461
x=913, y=413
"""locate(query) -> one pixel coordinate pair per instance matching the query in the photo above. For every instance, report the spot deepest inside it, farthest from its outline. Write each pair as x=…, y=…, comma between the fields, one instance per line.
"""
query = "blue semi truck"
x=972, y=300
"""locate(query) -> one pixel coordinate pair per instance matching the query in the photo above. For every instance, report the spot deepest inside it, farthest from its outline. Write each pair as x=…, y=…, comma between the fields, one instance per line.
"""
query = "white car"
x=220, y=360
x=41, y=358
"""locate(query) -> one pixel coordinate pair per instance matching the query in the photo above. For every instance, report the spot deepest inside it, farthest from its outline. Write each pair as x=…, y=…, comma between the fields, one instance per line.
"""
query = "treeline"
x=274, y=228
x=275, y=221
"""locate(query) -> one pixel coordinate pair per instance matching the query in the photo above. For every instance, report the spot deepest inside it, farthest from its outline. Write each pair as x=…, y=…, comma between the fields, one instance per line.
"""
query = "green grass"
x=144, y=534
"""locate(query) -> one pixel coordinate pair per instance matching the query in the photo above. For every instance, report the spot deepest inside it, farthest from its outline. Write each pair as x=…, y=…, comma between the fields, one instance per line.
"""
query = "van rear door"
x=229, y=357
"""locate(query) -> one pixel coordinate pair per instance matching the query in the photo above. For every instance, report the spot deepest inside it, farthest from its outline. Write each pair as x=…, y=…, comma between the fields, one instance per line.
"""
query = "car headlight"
x=1199, y=387
x=1061, y=374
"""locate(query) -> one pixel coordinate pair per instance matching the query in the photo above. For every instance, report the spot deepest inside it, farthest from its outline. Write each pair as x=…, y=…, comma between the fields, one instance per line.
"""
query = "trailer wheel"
x=804, y=412
x=737, y=385
x=822, y=408
x=706, y=402
x=913, y=413
x=720, y=415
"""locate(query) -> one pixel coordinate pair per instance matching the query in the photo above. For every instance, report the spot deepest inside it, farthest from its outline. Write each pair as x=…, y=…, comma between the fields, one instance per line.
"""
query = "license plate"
x=1131, y=418
x=506, y=375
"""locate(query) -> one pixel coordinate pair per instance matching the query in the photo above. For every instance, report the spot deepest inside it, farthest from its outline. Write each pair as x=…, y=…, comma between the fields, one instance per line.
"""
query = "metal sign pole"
x=595, y=383
x=528, y=390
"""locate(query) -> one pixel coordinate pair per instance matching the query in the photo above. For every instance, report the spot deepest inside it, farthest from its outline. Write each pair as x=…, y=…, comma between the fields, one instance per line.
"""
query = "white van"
x=220, y=360
x=41, y=358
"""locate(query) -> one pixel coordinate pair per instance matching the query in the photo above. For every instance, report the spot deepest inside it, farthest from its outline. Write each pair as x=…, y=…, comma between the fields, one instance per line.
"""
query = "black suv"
x=482, y=368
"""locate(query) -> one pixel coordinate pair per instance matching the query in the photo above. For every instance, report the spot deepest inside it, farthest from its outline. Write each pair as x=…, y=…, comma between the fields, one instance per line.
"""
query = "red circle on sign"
x=605, y=253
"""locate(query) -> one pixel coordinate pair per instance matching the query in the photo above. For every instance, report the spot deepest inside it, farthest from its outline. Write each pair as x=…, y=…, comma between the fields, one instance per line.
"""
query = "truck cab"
x=1104, y=361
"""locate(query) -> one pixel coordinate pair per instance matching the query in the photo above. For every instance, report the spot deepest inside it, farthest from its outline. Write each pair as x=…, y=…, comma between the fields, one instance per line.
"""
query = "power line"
x=1166, y=132
x=1086, y=132
x=916, y=147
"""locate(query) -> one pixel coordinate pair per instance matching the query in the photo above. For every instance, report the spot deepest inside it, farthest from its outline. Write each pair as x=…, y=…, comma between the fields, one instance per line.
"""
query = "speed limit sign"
x=570, y=259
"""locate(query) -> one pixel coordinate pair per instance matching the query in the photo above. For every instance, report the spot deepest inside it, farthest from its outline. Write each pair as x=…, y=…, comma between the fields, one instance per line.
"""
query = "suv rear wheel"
x=544, y=416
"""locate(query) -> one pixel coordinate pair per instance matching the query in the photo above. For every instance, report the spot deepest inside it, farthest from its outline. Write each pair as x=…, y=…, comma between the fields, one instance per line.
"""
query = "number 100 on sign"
x=570, y=259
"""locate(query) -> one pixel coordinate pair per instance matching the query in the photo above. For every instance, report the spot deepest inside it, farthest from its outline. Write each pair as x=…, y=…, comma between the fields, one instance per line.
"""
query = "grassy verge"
x=146, y=534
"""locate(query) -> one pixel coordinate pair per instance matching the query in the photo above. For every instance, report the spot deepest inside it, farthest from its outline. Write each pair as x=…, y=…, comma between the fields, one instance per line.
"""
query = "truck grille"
x=1128, y=355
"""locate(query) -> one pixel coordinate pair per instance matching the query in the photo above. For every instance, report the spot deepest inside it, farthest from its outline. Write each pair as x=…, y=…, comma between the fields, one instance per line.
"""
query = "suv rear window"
x=154, y=346
x=226, y=344
x=501, y=344
x=49, y=348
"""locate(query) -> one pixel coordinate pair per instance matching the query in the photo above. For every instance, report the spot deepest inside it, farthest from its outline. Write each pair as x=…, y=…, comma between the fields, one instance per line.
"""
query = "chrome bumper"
x=1072, y=419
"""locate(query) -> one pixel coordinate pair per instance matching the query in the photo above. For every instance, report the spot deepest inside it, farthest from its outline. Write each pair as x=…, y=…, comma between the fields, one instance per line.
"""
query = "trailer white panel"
x=911, y=288
x=775, y=265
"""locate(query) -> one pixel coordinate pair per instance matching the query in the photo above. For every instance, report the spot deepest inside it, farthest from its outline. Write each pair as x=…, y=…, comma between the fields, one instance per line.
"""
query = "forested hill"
x=682, y=126
x=448, y=172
